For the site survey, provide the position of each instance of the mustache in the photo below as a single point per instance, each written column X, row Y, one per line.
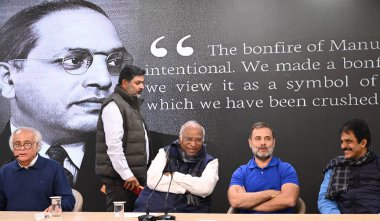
column 346, row 148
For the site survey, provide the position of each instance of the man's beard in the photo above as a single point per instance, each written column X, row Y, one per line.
column 263, row 156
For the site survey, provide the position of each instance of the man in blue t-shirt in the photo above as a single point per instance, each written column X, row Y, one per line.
column 265, row 184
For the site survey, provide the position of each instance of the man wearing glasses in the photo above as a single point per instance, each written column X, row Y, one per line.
column 186, row 171
column 27, row 183
column 59, row 61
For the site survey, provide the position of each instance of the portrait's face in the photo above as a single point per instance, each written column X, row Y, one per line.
column 350, row 146
column 134, row 87
column 191, row 140
column 262, row 143
column 64, row 106
column 25, row 146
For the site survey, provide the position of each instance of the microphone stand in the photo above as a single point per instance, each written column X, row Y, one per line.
column 166, row 216
column 148, row 217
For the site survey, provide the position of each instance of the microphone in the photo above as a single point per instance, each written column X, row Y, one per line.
column 148, row 217
column 166, row 216
column 10, row 160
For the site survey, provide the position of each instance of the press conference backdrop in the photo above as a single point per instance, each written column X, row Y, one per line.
column 305, row 67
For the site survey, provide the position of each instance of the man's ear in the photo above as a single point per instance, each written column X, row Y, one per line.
column 364, row 142
column 124, row 83
column 6, row 82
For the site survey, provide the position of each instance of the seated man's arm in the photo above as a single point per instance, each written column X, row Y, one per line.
column 237, row 195
column 326, row 205
column 289, row 191
column 200, row 186
column 155, row 172
column 239, row 198
column 62, row 188
column 268, row 200
column 3, row 201
column 287, row 198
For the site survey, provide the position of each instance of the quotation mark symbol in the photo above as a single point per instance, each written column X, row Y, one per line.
column 158, row 52
column 161, row 52
column 184, row 51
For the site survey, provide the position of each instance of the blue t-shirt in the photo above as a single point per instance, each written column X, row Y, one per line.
column 273, row 176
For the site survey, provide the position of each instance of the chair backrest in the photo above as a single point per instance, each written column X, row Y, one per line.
column 78, row 201
column 299, row 208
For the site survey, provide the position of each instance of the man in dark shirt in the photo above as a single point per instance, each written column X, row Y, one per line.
column 352, row 182
column 27, row 183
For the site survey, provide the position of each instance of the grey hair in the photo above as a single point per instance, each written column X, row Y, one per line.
column 192, row 123
column 37, row 136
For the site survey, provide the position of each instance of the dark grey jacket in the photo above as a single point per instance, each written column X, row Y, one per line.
column 133, row 138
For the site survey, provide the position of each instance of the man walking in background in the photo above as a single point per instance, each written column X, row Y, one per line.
column 122, row 145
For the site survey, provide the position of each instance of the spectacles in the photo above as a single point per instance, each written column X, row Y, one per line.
column 78, row 61
column 26, row 146
column 190, row 139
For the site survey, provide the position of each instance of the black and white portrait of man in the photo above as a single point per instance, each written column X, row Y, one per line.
column 58, row 61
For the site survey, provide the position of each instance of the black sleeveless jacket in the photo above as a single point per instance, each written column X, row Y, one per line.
column 133, row 138
column 363, row 192
column 177, row 202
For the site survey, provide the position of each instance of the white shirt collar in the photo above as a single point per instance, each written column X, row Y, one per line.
column 31, row 163
column 75, row 152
